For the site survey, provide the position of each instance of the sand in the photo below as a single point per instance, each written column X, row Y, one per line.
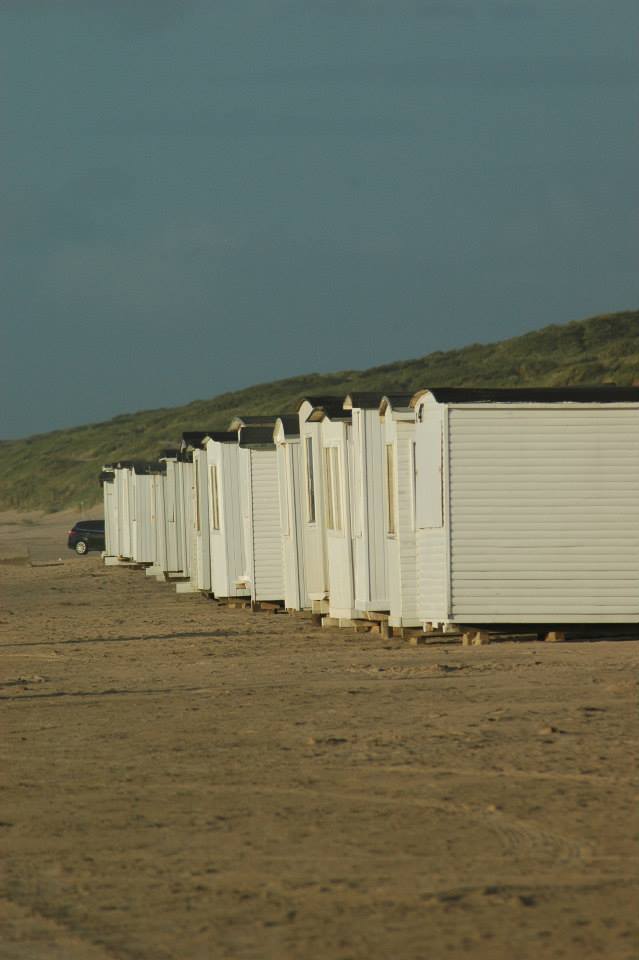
column 184, row 781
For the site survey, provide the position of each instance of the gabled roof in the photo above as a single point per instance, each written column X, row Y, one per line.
column 260, row 420
column 139, row 466
column 256, row 437
column 290, row 424
column 396, row 401
column 194, row 438
column 222, row 436
column 595, row 394
column 332, row 405
column 363, row 401
column 169, row 454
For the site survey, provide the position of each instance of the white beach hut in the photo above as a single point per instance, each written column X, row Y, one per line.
column 225, row 515
column 159, row 565
column 527, row 505
column 141, row 514
column 174, row 534
column 367, row 502
column 107, row 482
column 398, row 420
column 353, row 489
column 259, row 493
column 315, row 540
column 199, row 552
column 292, row 490
column 123, row 508
column 336, row 482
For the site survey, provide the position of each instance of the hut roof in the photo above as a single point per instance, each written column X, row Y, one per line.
column 593, row 394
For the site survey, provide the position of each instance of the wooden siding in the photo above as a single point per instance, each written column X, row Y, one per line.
column 544, row 514
column 159, row 551
column 405, row 557
column 267, row 580
column 143, row 539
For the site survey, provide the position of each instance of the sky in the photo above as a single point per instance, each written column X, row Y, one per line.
column 198, row 195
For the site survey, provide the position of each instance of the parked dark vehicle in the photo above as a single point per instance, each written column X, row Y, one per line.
column 86, row 535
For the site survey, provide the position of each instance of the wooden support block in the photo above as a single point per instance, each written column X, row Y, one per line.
column 417, row 640
column 363, row 627
column 475, row 638
column 384, row 629
column 346, row 623
column 406, row 632
column 330, row 622
column 555, row 636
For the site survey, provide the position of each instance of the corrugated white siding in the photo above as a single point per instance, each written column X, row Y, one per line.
column 143, row 539
column 405, row 555
column 544, row 514
column 432, row 572
column 159, row 552
column 268, row 580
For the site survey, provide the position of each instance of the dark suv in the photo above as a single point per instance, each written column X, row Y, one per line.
column 86, row 535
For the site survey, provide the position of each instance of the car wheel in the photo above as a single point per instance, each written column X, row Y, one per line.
column 81, row 547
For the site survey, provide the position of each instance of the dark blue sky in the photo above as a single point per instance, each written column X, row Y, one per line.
column 197, row 196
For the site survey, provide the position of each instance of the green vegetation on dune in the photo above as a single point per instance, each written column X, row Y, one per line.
column 57, row 470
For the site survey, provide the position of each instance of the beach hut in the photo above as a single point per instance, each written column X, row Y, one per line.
column 199, row 551
column 174, row 534
column 315, row 541
column 184, row 474
column 259, row 498
column 527, row 505
column 398, row 421
column 107, row 482
column 122, row 508
column 369, row 518
column 159, row 566
column 225, row 515
column 336, row 482
column 286, row 436
column 141, row 514
column 352, row 473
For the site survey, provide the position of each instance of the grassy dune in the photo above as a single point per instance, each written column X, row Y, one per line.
column 57, row 470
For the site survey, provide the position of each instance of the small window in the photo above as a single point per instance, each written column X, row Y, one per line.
column 196, row 474
column 391, row 505
column 215, row 499
column 333, row 489
column 413, row 478
column 329, row 490
column 310, row 481
column 283, row 481
column 337, row 489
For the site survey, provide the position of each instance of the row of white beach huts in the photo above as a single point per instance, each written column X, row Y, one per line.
column 449, row 506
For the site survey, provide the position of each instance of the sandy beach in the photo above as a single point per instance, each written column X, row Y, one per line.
column 183, row 781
